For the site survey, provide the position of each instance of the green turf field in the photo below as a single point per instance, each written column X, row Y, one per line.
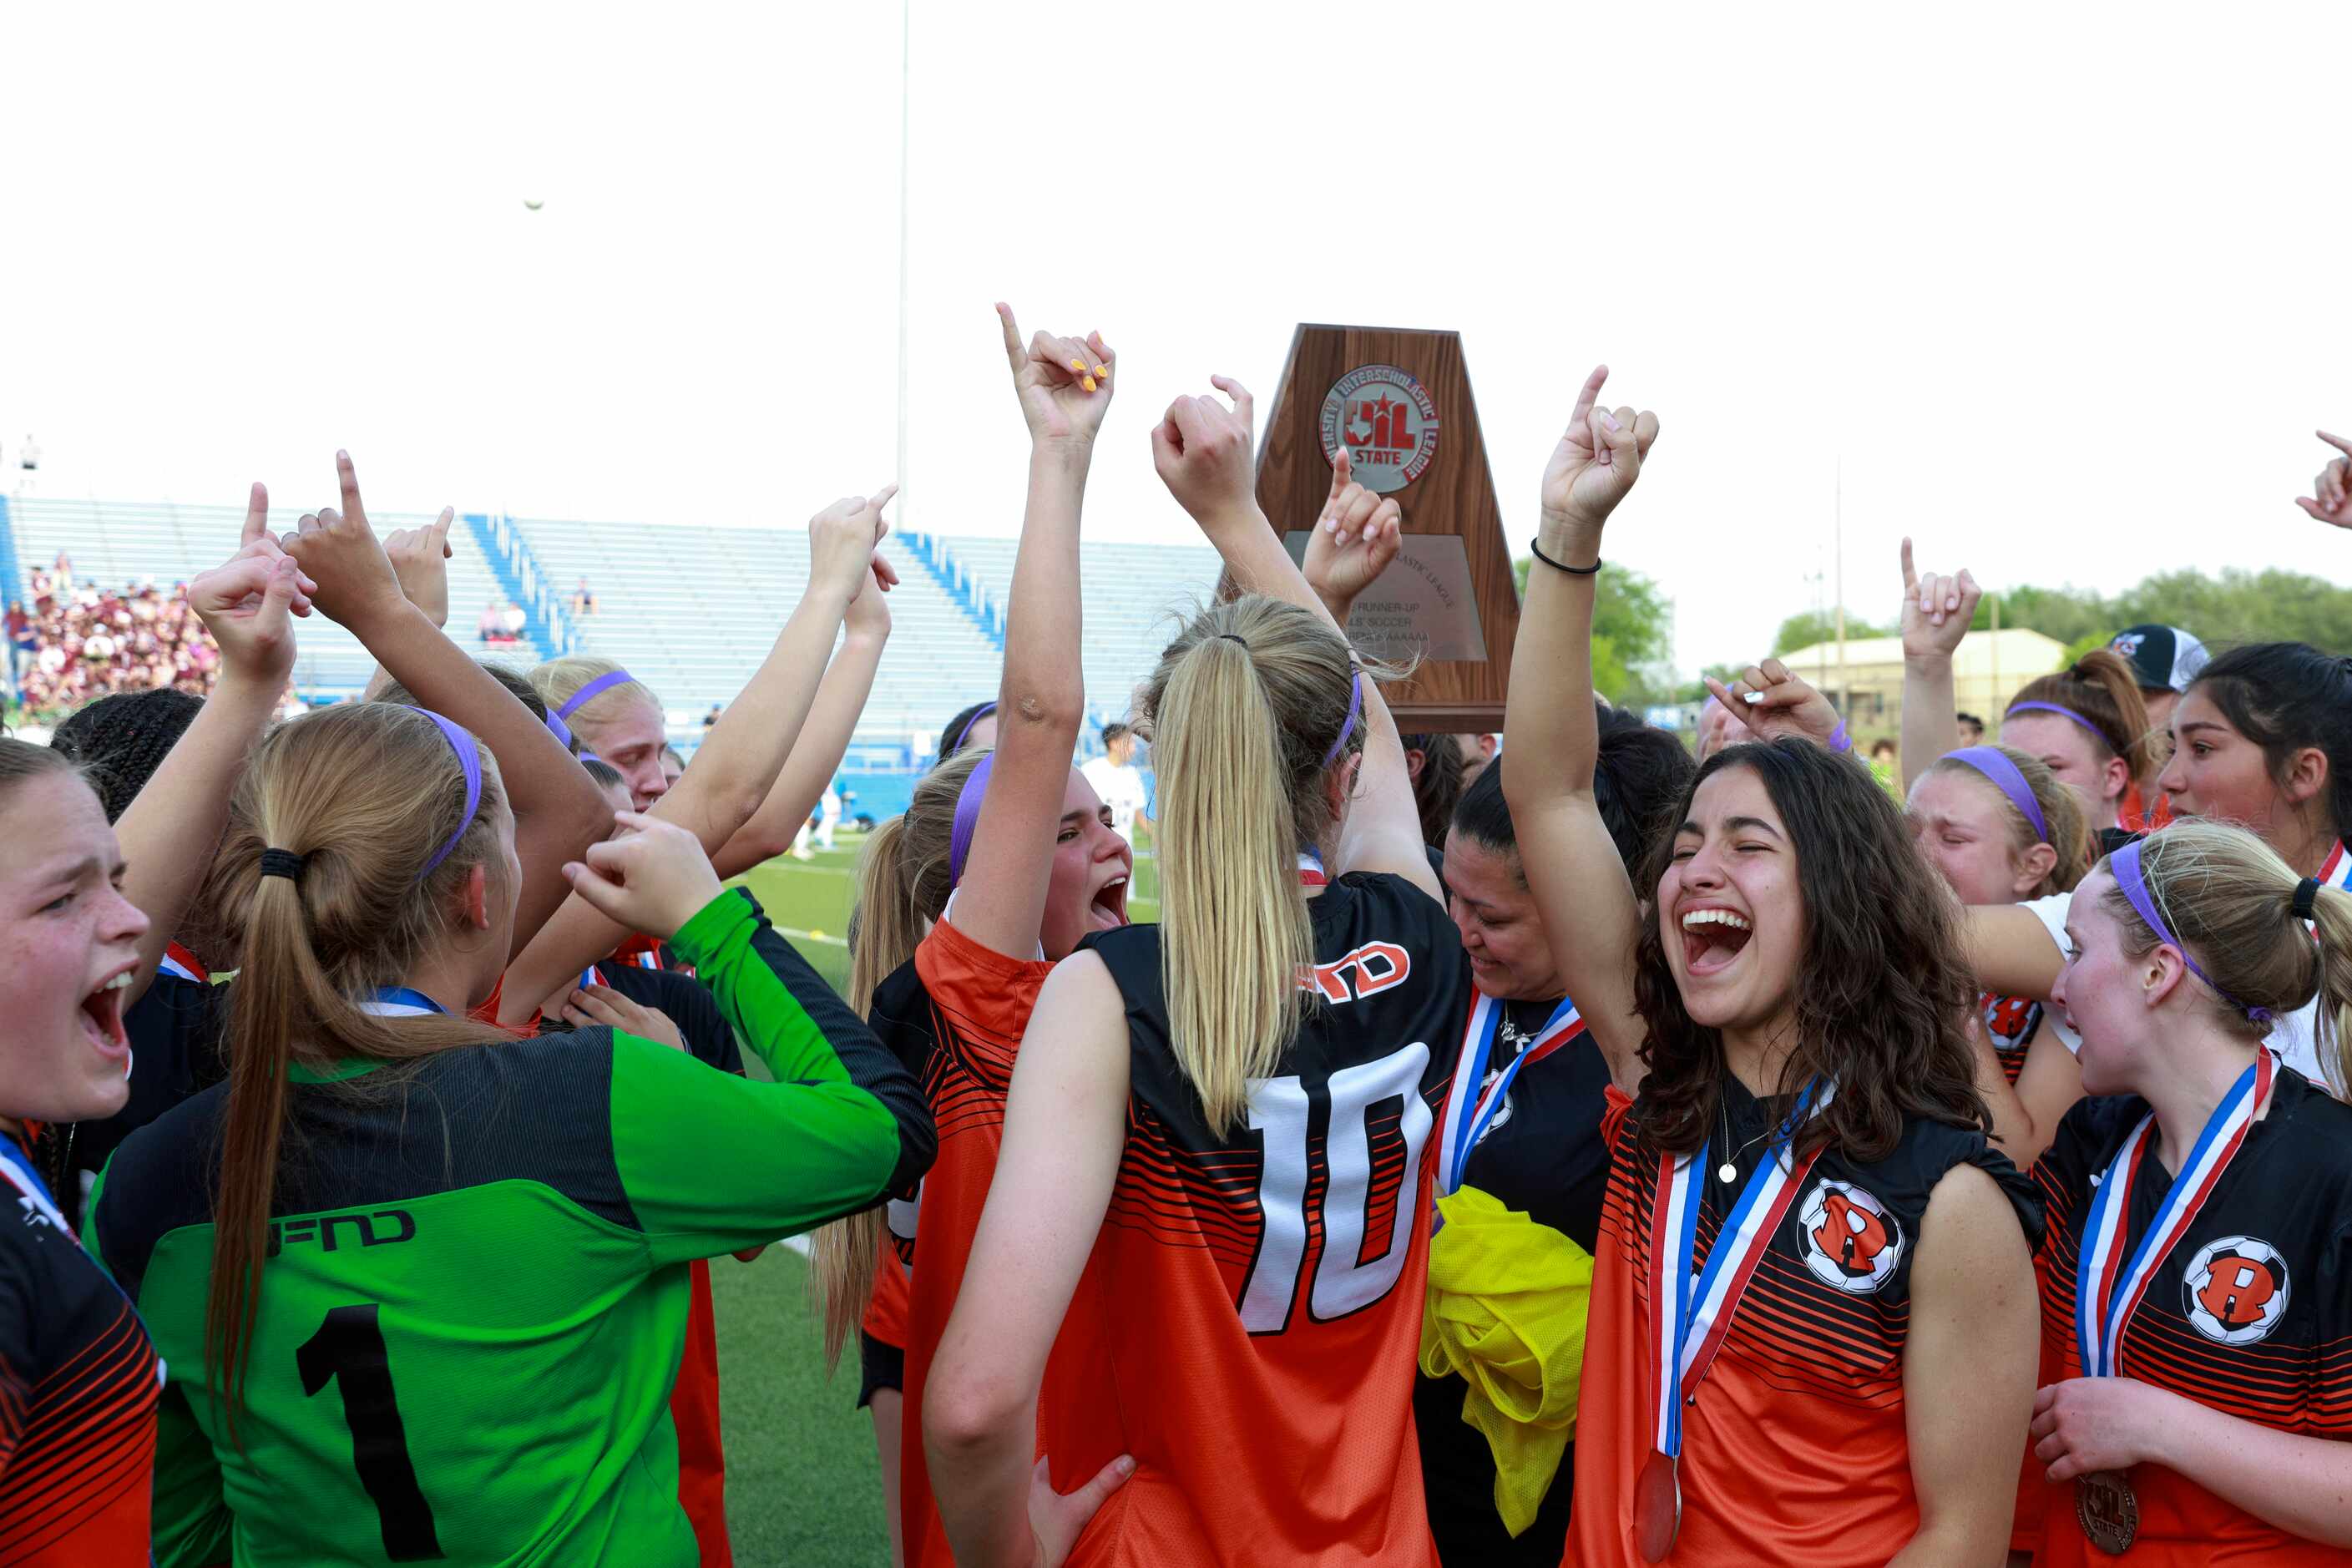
column 802, row 1488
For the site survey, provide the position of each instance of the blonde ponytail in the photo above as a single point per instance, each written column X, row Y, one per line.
column 360, row 798
column 1243, row 712
column 902, row 888
column 2231, row 901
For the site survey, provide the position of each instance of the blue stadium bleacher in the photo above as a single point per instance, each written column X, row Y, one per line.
column 691, row 609
column 116, row 544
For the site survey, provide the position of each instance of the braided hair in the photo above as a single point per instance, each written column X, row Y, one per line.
column 120, row 741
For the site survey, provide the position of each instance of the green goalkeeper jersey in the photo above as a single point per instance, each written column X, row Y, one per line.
column 476, row 1290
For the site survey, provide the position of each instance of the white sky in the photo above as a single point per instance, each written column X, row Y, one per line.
column 2064, row 292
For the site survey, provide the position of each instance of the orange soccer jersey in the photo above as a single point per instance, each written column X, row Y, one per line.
column 1794, row 1451
column 2250, row 1314
column 1259, row 1293
column 955, row 1016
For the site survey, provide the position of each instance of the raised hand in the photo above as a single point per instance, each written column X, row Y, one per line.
column 1599, row 458
column 356, row 581
column 653, row 879
column 1937, row 610
column 1204, row 453
column 257, row 538
column 843, row 542
column 1353, row 540
column 2332, row 500
column 1772, row 702
column 247, row 604
column 419, row 559
column 1064, row 384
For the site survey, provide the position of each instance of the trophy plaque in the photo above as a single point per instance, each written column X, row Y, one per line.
column 1446, row 607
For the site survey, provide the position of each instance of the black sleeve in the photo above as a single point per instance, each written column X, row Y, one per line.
column 870, row 1065
column 881, row 1366
column 687, row 1002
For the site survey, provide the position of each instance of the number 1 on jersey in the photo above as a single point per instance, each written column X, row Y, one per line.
column 349, row 1350
column 1280, row 1108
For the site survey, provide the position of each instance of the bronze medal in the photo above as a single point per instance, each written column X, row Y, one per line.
column 1657, row 1508
column 2108, row 1510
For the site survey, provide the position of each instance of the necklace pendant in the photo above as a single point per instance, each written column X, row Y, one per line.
column 1727, row 1172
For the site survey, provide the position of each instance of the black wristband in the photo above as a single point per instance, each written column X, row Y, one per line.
column 1535, row 545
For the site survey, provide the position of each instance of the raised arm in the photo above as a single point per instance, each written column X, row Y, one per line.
column 1590, row 910
column 1936, row 613
column 1203, row 450
column 824, row 738
column 1064, row 387
column 2331, row 493
column 558, row 811
column 740, row 755
column 169, row 832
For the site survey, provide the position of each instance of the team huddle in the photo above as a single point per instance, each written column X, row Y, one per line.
column 1594, row 1154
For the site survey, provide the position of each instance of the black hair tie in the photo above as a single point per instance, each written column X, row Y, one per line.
column 283, row 863
column 1535, row 545
column 2306, row 898
column 1228, row 636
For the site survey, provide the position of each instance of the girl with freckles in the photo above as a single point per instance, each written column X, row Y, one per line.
column 1813, row 1319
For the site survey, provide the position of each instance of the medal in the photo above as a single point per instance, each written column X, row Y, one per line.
column 1657, row 1508
column 1690, row 1311
column 1470, row 1113
column 2108, row 1511
column 2108, row 1288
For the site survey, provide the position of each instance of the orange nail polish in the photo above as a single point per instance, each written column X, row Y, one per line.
column 1079, row 365
column 1103, row 371
column 1088, row 384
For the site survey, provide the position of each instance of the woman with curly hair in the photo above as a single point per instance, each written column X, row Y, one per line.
column 1811, row 1335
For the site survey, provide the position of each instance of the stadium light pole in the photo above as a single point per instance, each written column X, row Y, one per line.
column 905, row 79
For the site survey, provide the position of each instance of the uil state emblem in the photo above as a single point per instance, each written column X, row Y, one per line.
column 1387, row 421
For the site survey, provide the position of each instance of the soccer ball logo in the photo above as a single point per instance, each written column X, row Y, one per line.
column 2235, row 1290
column 1851, row 1242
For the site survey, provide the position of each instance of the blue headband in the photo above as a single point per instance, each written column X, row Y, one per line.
column 1990, row 761
column 469, row 757
column 589, row 692
column 2125, row 864
column 2017, row 708
column 1355, row 707
column 956, row 743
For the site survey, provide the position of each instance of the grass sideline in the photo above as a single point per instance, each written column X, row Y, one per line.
column 803, row 1484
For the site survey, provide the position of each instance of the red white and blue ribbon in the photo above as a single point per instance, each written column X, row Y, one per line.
column 1691, row 1310
column 2336, row 873
column 2107, row 1288
column 178, row 961
column 1310, row 869
column 1470, row 1113
column 400, row 1002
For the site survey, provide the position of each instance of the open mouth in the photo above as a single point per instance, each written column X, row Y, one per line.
column 1713, row 938
column 1109, row 906
column 101, row 1016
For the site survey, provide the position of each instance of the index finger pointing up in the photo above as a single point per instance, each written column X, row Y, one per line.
column 257, row 515
column 1584, row 399
column 1910, row 575
column 1244, row 404
column 1014, row 351
column 2338, row 442
column 350, row 476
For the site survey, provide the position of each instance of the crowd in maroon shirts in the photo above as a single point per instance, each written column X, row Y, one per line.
column 71, row 642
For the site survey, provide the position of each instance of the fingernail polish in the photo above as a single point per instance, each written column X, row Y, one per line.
column 1103, row 371
column 1087, row 382
column 1079, row 365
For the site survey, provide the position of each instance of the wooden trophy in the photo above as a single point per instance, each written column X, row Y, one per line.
column 1447, row 604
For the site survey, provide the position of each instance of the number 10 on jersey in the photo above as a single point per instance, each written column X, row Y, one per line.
column 1282, row 1109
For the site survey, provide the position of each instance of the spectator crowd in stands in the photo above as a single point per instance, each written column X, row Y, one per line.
column 71, row 643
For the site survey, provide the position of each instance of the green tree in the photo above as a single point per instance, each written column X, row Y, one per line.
column 1633, row 636
column 1810, row 626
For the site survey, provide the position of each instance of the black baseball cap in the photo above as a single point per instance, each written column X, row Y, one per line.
column 2163, row 659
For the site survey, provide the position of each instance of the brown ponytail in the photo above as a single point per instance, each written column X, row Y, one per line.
column 365, row 794
column 902, row 887
column 1242, row 711
column 2102, row 689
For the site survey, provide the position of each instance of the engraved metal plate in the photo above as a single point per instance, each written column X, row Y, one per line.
column 1421, row 606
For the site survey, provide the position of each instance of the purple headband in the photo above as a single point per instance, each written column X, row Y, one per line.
column 2125, row 864
column 2016, row 707
column 1355, row 707
column 469, row 757
column 589, row 692
column 1988, row 761
column 956, row 745
column 559, row 730
column 967, row 818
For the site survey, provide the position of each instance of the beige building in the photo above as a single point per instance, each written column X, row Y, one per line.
column 1987, row 670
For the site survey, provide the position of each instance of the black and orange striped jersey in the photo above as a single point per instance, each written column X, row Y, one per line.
column 2010, row 1023
column 2250, row 1314
column 1259, row 1290
column 79, row 1385
column 1794, row 1450
column 954, row 1016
